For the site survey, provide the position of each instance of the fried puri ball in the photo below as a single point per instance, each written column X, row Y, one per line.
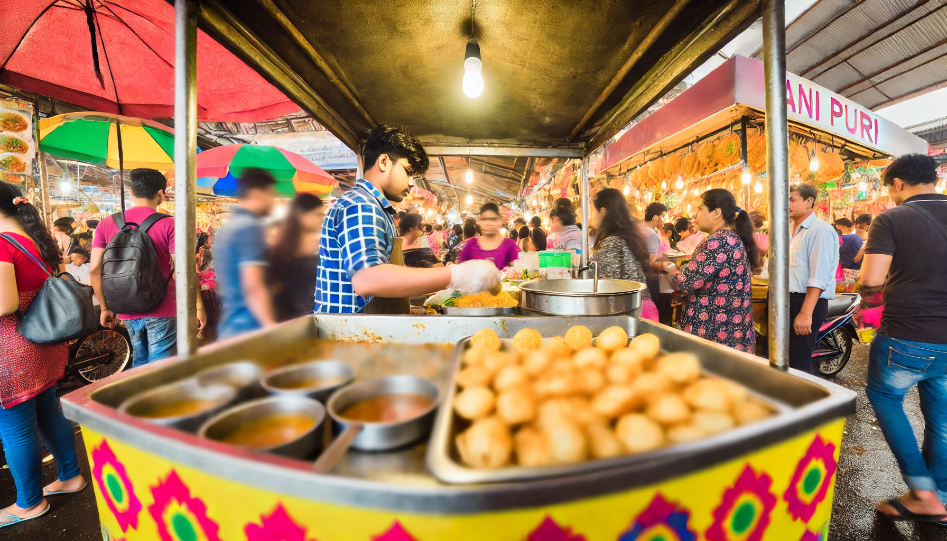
column 581, row 411
column 474, row 402
column 567, row 442
column 628, row 357
column 508, row 377
column 532, row 447
column 590, row 357
column 554, row 384
column 602, row 441
column 614, row 400
column 557, row 347
column 486, row 444
column 713, row 421
column 619, row 374
column 578, row 337
column 487, row 339
column 536, row 362
column 681, row 368
column 651, row 383
column 648, row 345
column 474, row 355
column 527, row 339
column 668, row 409
column 708, row 394
column 495, row 360
column 612, row 339
column 685, row 433
column 749, row 412
column 738, row 393
column 473, row 376
column 638, row 433
column 516, row 406
column 553, row 411
column 588, row 381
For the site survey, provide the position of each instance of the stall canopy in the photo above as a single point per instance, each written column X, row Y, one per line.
column 46, row 47
column 566, row 74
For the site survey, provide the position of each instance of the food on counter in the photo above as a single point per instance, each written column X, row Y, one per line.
column 12, row 164
column 311, row 383
column 527, row 339
column 388, row 408
column 486, row 338
column 13, row 122
column 12, row 143
column 513, row 274
column 558, row 404
column 486, row 300
column 180, row 408
column 271, row 431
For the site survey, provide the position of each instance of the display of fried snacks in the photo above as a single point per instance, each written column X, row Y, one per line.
column 12, row 143
column 13, row 122
column 540, row 402
column 486, row 300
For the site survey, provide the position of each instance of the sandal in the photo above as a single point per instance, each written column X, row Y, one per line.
column 57, row 492
column 17, row 520
column 906, row 514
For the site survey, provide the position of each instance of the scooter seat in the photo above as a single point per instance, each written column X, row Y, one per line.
column 839, row 305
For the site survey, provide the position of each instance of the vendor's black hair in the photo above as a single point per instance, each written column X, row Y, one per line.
column 428, row 228
column 536, row 221
column 409, row 222
column 397, row 143
column 564, row 211
column 844, row 222
column 470, row 228
column 805, row 191
column 913, row 169
column 654, row 209
column 457, row 229
column 519, row 220
column 719, row 198
column 65, row 224
column 682, row 225
column 31, row 222
column 490, row 207
column 863, row 219
column 146, row 183
column 253, row 178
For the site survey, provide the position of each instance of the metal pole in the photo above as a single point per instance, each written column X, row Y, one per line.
column 777, row 173
column 360, row 167
column 185, row 178
column 121, row 165
column 584, row 191
column 743, row 154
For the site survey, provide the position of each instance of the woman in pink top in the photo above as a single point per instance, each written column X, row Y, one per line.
column 490, row 245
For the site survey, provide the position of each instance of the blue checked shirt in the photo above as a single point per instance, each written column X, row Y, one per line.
column 358, row 233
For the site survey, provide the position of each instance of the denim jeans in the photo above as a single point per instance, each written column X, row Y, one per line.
column 21, row 427
column 233, row 324
column 894, row 367
column 153, row 338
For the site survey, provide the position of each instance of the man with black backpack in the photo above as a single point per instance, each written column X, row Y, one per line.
column 132, row 271
column 907, row 256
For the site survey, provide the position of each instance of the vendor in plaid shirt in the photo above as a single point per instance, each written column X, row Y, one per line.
column 359, row 231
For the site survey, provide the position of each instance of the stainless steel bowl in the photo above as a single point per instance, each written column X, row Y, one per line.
column 577, row 297
column 303, row 446
column 244, row 376
column 285, row 381
column 390, row 435
column 218, row 397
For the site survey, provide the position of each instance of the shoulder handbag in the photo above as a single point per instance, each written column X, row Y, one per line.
column 930, row 217
column 61, row 311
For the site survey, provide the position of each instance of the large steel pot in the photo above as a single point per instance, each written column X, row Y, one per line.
column 580, row 297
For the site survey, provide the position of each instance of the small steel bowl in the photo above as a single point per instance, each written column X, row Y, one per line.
column 390, row 435
column 303, row 446
column 244, row 376
column 217, row 397
column 291, row 380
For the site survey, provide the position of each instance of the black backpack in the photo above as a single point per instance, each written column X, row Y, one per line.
column 131, row 280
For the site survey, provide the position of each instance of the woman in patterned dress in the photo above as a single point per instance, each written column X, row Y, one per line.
column 716, row 281
column 28, row 372
column 619, row 251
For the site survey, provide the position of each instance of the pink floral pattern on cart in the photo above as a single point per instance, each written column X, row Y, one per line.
column 811, row 480
column 549, row 530
column 180, row 516
column 395, row 533
column 115, row 486
column 744, row 513
column 661, row 520
column 277, row 526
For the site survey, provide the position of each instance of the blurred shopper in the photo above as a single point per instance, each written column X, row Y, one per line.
column 850, row 245
column 813, row 260
column 762, row 239
column 154, row 332
column 619, row 251
column 415, row 253
column 862, row 224
column 240, row 255
column 691, row 236
column 490, row 245
column 28, row 406
column 562, row 221
column 670, row 236
column 537, row 234
column 293, row 260
column 907, row 255
column 79, row 235
column 78, row 266
column 454, row 242
column 716, row 281
column 524, row 241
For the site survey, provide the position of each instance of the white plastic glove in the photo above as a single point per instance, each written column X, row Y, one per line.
column 474, row 276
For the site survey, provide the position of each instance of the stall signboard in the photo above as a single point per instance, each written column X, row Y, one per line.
column 320, row 147
column 17, row 148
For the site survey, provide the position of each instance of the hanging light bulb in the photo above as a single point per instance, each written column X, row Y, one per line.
column 863, row 186
column 527, row 216
column 637, row 194
column 470, row 200
column 664, row 185
column 469, row 176
column 65, row 186
column 627, row 190
column 814, row 164
column 758, row 188
column 939, row 187
column 688, row 208
column 439, row 219
column 473, row 81
column 503, row 231
column 746, row 177
column 680, row 182
column 696, row 192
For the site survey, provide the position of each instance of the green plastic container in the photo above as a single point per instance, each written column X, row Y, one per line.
column 555, row 259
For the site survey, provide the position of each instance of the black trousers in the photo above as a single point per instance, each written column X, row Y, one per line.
column 802, row 347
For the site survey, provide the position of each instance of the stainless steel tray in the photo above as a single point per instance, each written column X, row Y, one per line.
column 480, row 312
column 574, row 297
column 444, row 462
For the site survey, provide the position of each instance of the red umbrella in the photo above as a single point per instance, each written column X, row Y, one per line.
column 46, row 48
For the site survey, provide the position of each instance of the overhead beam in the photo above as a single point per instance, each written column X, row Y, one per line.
column 535, row 152
column 900, row 61
column 821, row 26
column 529, row 166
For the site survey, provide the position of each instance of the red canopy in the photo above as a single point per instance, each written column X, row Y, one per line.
column 46, row 48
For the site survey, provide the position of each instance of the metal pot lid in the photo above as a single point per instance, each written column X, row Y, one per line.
column 582, row 288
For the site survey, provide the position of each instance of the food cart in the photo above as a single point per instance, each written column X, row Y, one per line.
column 770, row 480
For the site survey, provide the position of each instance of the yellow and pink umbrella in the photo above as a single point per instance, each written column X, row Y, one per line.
column 219, row 168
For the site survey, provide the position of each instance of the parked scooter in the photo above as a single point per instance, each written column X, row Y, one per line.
column 834, row 347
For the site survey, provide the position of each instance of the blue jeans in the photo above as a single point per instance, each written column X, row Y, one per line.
column 21, row 427
column 237, row 323
column 153, row 338
column 894, row 367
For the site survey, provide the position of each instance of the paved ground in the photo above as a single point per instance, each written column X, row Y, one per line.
column 867, row 473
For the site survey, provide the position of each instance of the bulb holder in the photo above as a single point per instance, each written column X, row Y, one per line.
column 472, row 51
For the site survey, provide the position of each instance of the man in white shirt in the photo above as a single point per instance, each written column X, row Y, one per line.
column 78, row 267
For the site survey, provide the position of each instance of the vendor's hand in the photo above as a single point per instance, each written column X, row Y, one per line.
column 474, row 276
column 803, row 324
column 107, row 319
column 201, row 319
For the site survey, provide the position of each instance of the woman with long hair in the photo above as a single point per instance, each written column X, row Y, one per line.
column 490, row 245
column 28, row 406
column 619, row 251
column 562, row 220
column 294, row 258
column 525, row 242
column 716, row 282
column 415, row 253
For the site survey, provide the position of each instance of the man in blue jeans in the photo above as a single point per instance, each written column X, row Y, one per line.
column 906, row 254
